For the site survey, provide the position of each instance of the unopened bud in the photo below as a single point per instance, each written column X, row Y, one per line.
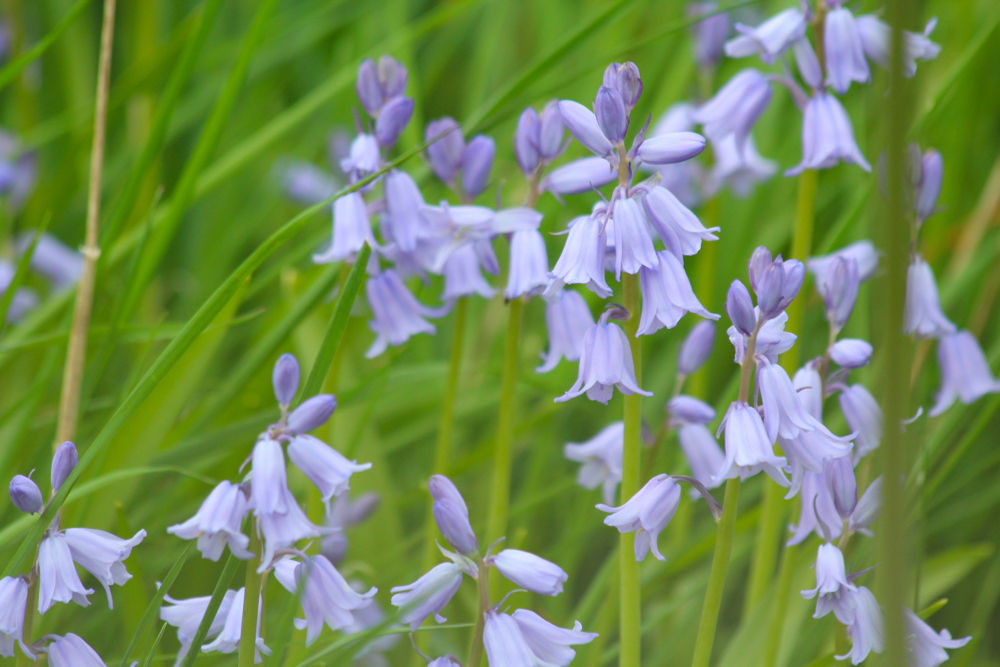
column 760, row 260
column 769, row 286
column 285, row 378
column 368, row 88
column 63, row 462
column 312, row 414
column 851, row 352
column 25, row 494
column 445, row 147
column 392, row 120
column 476, row 164
column 929, row 186
column 452, row 515
column 696, row 348
column 739, row 307
column 551, row 131
column 391, row 77
column 611, row 115
column 526, row 140
column 838, row 474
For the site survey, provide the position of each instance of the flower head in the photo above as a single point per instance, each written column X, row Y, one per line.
column 601, row 457
column 102, row 554
column 646, row 514
column 428, row 594
column 218, row 522
column 965, row 374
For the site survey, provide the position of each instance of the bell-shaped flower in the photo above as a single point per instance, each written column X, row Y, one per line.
column 633, row 244
column 770, row 38
column 71, row 650
column 477, row 160
column 965, row 373
column 739, row 170
column 863, row 253
column 611, row 115
column 529, row 264
column 526, row 139
column 228, row 639
column 63, row 463
column 749, row 450
column 186, row 615
column 866, row 629
column 312, row 413
column 864, row 416
column 217, row 523
column 398, row 315
column 710, row 34
column 876, row 41
column 567, row 320
column 285, row 379
column 646, row 514
column 326, row 596
column 605, row 363
column 833, row 592
column 102, row 554
column 428, row 594
column 58, row 580
column 452, row 515
column 624, row 77
column 583, row 125
column 740, row 309
column 392, row 120
column 867, row 508
column 549, row 643
column 666, row 295
column 444, row 661
column 325, row 467
column 582, row 259
column 403, row 222
column 689, row 410
column 703, row 454
column 927, row 185
column 363, row 158
column 827, row 136
column 784, row 414
column 601, row 457
column 736, row 107
column 696, row 348
column 839, row 288
column 503, row 641
column 851, row 352
column 922, row 314
column 818, row 513
column 670, row 148
column 583, row 175
column 529, row 571
column 925, row 646
column 683, row 179
column 351, row 230
column 13, row 604
column 845, row 58
column 444, row 153
column 675, row 224
column 463, row 276
column 772, row 339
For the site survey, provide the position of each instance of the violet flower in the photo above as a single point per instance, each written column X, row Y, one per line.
column 965, row 373
column 218, row 523
column 567, row 320
column 827, row 136
column 646, row 514
column 601, row 457
column 398, row 315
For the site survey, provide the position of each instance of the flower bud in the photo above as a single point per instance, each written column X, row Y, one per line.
column 670, row 148
column 445, row 153
column 838, row 475
column 795, row 273
column 312, row 413
column 929, row 185
column 526, row 140
column 368, row 88
column 769, row 287
column 710, row 34
column 451, row 515
column 690, row 410
column 25, row 494
column 629, row 84
column 851, row 352
column 550, row 131
column 392, row 120
column 739, row 307
column 839, row 288
column 611, row 115
column 476, row 164
column 391, row 77
column 760, row 260
column 529, row 571
column 696, row 348
column 285, row 378
column 63, row 463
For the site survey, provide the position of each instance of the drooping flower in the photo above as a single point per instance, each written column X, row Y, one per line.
column 13, row 604
column 582, row 259
column 25, row 494
column 833, row 592
column 228, row 639
column 927, row 647
column 428, row 594
column 679, row 229
column 770, row 38
column 749, row 450
column 351, row 230
column 864, row 416
column 186, row 616
column 646, row 514
column 529, row 264
column 325, row 467
column 965, row 373
column 601, row 457
column 866, row 629
column 827, row 136
column 922, row 314
column 217, row 523
column 71, row 650
column 529, row 571
column 876, row 39
column 818, row 513
column 567, row 320
column 666, row 295
column 58, row 580
column 452, row 515
column 736, row 107
column 398, row 315
column 696, row 348
column 102, row 554
column 845, row 58
column 525, row 638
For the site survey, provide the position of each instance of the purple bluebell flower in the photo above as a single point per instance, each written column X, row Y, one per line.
column 526, row 140
column 863, row 253
column 60, row 265
column 965, row 373
column 610, row 113
column 922, row 314
column 398, row 315
column 749, row 449
column 186, row 616
column 736, row 107
column 583, row 125
column 624, row 78
column 71, row 650
column 867, row 508
column 582, row 259
column 444, row 661
column 927, row 647
column 703, row 454
column 710, row 33
column 784, row 414
column 25, row 494
column 344, row 513
column 325, row 467
column 462, row 275
column 601, row 457
column 102, row 554
column 578, row 176
column 363, row 158
column 646, row 514
column 928, row 184
column 770, row 38
column 808, row 64
column 845, row 58
column 403, row 222
column 683, row 179
column 876, row 38
column 58, row 580
column 503, row 641
column 445, row 153
column 696, row 348
column 326, row 596
column 550, row 644
column 312, row 413
column 866, row 628
column 567, row 320
column 838, row 285
column 689, row 410
column 827, row 136
column 351, row 230
column 818, row 513
column 679, row 229
column 851, row 352
column 667, row 295
column 838, row 473
column 605, row 363
column 529, row 264
column 529, row 571
column 285, row 379
column 776, row 283
column 833, row 590
column 228, row 639
column 392, row 77
column 428, row 594
column 451, row 515
column 739, row 170
column 217, row 523
column 670, row 148
column 551, row 132
column 772, row 339
column 740, row 309
column 13, row 604
column 477, row 160
column 367, row 86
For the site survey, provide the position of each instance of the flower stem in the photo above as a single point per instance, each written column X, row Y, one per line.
column 251, row 596
column 630, row 638
column 476, row 645
column 76, row 350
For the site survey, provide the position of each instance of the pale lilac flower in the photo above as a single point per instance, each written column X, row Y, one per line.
column 58, row 580
column 827, row 136
column 325, row 467
column 749, row 450
column 444, row 661
column 864, row 417
column 679, row 229
column 845, row 59
column 838, row 474
column 601, row 457
column 839, row 288
column 13, row 604
column 922, row 311
column 851, row 352
column 392, row 120
column 784, row 414
column 740, row 309
column 567, row 320
column 312, row 413
column 624, row 77
column 462, row 275
column 866, row 629
column 927, row 647
column 965, row 373
column 504, row 643
column 583, row 125
column 605, row 363
column 770, row 38
column 529, row 571
column 25, row 494
column 583, row 175
column 60, row 265
column 927, row 186
column 428, row 594
column 305, row 183
column 876, row 38
column 71, row 650
column 549, row 643
column 526, row 139
column 609, row 110
column 863, row 253
column 818, row 513
column 582, row 259
column 709, row 34
column 403, row 221
column 368, row 87
column 682, row 179
column 186, row 616
column 666, row 295
column 102, row 554
column 344, row 513
column 445, row 153
column 703, row 454
column 669, row 148
column 696, row 348
column 398, row 315
column 285, row 379
column 217, row 523
column 529, row 264
column 452, row 515
column 808, row 64
column 477, row 160
column 362, row 159
column 736, row 107
column 351, row 230
column 772, row 339
column 689, row 410
column 740, row 170
column 228, row 639
column 833, row 590
column 646, row 514
column 633, row 244
column 867, row 508
column 326, row 596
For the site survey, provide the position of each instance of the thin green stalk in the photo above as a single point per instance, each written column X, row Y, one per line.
column 629, row 618
column 500, row 504
column 772, row 641
column 251, row 595
column 475, row 656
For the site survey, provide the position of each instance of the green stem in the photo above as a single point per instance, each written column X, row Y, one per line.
column 630, row 638
column 476, row 645
column 499, row 507
column 251, row 596
column 772, row 642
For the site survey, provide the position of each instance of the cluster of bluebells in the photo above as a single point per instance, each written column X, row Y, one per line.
column 279, row 524
column 54, row 575
column 521, row 637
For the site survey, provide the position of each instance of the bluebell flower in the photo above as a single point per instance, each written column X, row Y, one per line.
column 927, row 647
column 362, row 159
column 444, row 661
column 58, row 580
column 305, row 183
column 398, row 315
column 529, row 571
column 827, row 136
column 667, row 295
column 818, row 513
column 845, row 58
column 867, row 508
column 567, row 320
column 633, row 244
column 312, row 413
column 186, row 616
column 927, row 185
column 749, row 450
column 876, row 39
column 228, row 639
column 605, row 363
column 668, row 148
column 25, row 494
column 702, row 451
column 60, row 265
column 838, row 285
column 582, row 124
column 710, row 33
column 583, row 175
column 965, row 373
column 610, row 113
column 696, row 348
column 922, row 315
column 526, row 141
column 646, row 514
column 477, row 160
column 71, row 650
column 102, row 554
column 784, row 415
column 582, row 259
column 13, row 604
column 428, row 594
column 451, row 515
column 325, row 467
column 689, row 410
column 463, row 276
column 838, row 474
column 403, row 222
column 679, row 229
column 445, row 152
column 529, row 264
column 525, row 638
column 771, row 38
column 351, row 230
column 866, row 629
column 285, row 379
column 741, row 312
column 504, row 643
column 833, row 590
column 851, row 352
column 624, row 78
column 601, row 457
column 392, row 120
column 736, row 107
column 863, row 253
column 344, row 513
column 218, row 523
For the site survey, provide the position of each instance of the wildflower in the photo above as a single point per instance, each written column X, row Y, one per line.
column 679, row 229
column 666, row 295
column 839, row 288
column 60, row 265
column 582, row 258
column 866, row 629
column 578, row 176
column 217, row 523
column 403, row 222
column 927, row 647
column 58, row 580
column 772, row 339
column 228, row 639
column 605, row 363
column 102, row 554
column 633, row 245
column 770, row 38
column 362, row 159
column 682, row 179
column 503, row 641
column 525, row 638
column 818, row 514
column 703, row 454
column 601, row 457
column 529, row 264
column 567, row 320
column 864, row 417
column 428, row 594
column 25, row 494
column 689, row 410
column 477, row 160
column 583, row 125
column 784, row 415
column 928, row 184
column 669, row 148
column 444, row 153
column 965, row 374
column 13, row 603
column 863, row 253
column 876, row 38
column 710, row 33
column 344, row 513
column 526, row 140
column 838, row 474
column 610, row 113
column 285, row 379
column 748, row 447
column 186, row 616
column 351, row 230
column 740, row 170
column 71, row 650
column 867, row 508
column 398, row 315
column 452, row 515
column 305, row 183
column 696, row 348
column 529, row 571
column 736, row 107
column 646, row 513
column 444, row 661
column 739, row 308
column 922, row 314
column 312, row 413
column 845, row 59
column 831, row 585
column 851, row 352
column 827, row 136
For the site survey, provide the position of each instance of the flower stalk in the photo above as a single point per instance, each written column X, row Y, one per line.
column 251, row 597
column 630, row 612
